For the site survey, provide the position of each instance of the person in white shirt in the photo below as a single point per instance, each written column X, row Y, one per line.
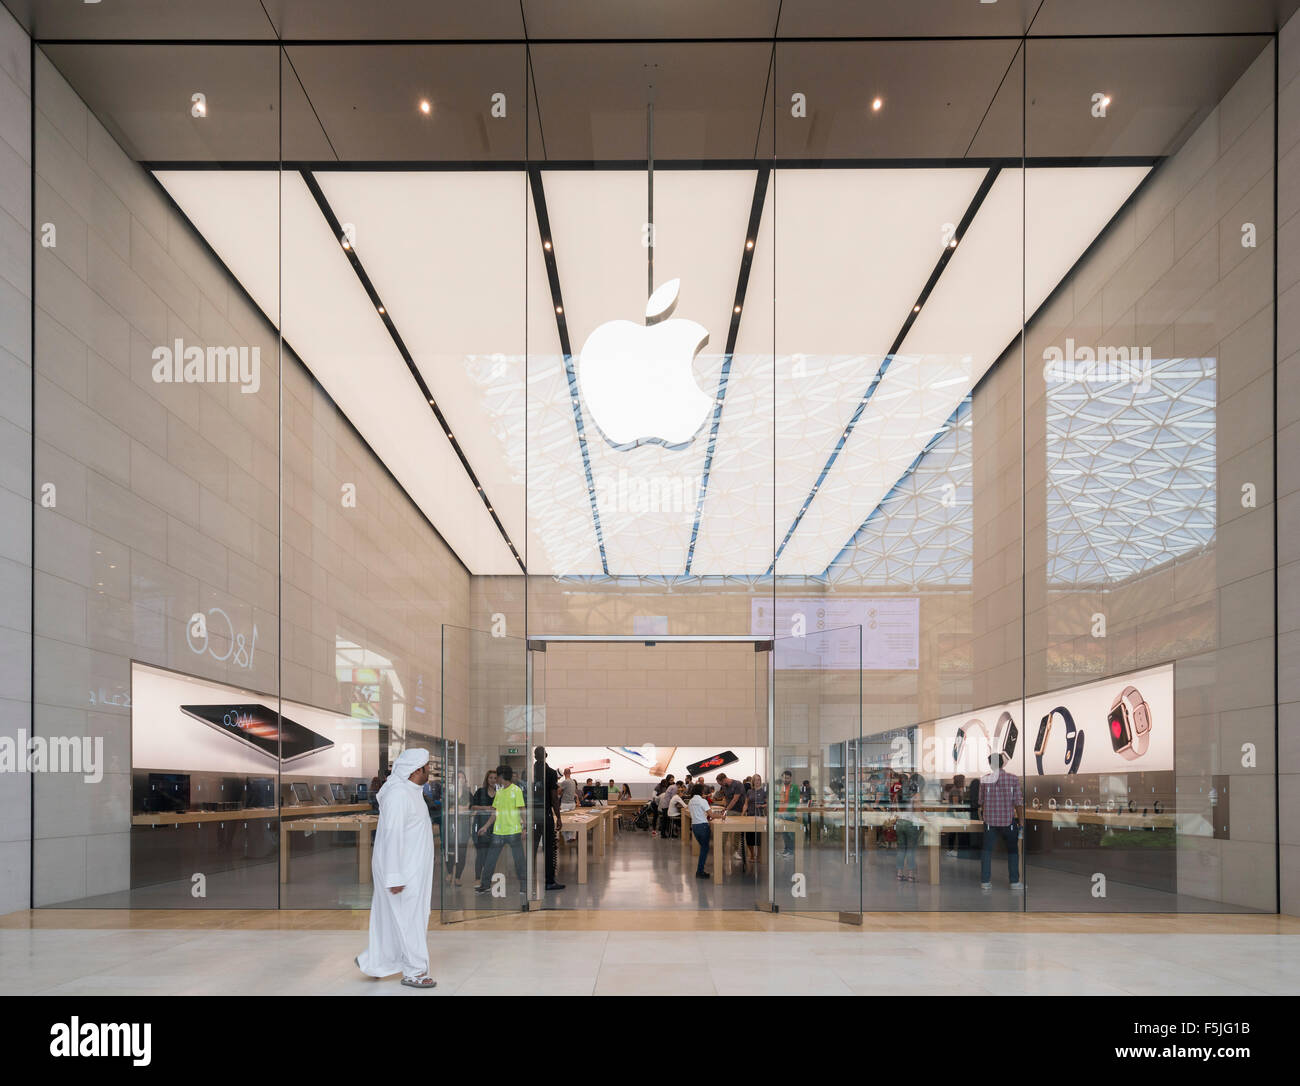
column 568, row 799
column 665, row 798
column 675, row 806
column 700, row 818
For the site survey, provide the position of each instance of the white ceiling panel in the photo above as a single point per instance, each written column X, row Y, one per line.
column 972, row 315
column 562, row 539
column 856, row 248
column 443, row 250
column 647, row 494
column 330, row 323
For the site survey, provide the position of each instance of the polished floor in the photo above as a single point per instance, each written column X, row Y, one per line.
column 104, row 952
column 640, row 872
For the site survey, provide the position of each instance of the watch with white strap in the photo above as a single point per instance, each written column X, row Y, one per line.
column 1130, row 724
column 959, row 744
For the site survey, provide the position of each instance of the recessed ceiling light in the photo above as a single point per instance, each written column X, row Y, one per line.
column 737, row 309
column 876, row 103
column 749, row 244
column 347, row 244
column 952, row 244
column 559, row 309
column 426, row 106
column 547, row 246
column 916, row 309
column 1106, row 100
column 381, row 309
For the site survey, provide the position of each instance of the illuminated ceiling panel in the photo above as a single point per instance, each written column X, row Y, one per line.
column 442, row 250
column 647, row 495
column 972, row 315
column 855, row 249
column 330, row 323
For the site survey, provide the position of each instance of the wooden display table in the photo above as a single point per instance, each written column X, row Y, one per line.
column 590, row 824
column 244, row 814
column 363, row 825
column 733, row 824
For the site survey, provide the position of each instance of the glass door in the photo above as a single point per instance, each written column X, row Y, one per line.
column 815, row 804
column 486, row 820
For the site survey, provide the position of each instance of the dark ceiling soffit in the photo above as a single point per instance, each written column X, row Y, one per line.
column 733, row 330
column 562, row 327
column 270, row 42
column 976, row 203
column 372, row 166
column 387, row 317
column 287, row 348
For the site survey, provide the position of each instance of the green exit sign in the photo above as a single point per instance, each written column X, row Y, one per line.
column 512, row 750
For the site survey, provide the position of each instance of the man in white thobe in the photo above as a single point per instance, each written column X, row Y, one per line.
column 402, row 870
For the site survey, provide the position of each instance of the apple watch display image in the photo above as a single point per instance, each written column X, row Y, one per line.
column 959, row 743
column 1129, row 722
column 1073, row 739
column 1005, row 737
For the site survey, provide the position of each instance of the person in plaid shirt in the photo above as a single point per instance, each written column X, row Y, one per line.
column 1001, row 809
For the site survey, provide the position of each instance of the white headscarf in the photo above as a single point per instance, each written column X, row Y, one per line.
column 407, row 763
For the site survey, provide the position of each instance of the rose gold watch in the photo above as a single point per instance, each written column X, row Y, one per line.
column 1129, row 722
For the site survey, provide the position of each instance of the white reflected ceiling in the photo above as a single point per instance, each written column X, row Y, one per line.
column 457, row 259
column 328, row 320
column 969, row 319
column 854, row 251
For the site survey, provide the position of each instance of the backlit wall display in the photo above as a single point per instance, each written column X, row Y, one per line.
column 1119, row 725
column 192, row 725
column 891, row 631
column 650, row 763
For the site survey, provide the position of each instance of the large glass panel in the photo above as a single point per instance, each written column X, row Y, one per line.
column 819, row 823
column 898, row 317
column 403, row 204
column 1148, row 743
column 157, row 382
column 486, row 714
column 650, row 429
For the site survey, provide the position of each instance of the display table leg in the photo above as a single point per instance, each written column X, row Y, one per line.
column 363, row 857
column 284, row 853
column 582, row 855
column 719, row 850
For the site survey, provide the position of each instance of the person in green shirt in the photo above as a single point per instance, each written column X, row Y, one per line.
column 505, row 825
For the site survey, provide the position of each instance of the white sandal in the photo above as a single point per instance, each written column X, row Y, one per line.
column 422, row 981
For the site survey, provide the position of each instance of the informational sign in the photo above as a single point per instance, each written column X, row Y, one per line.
column 652, row 625
column 828, row 629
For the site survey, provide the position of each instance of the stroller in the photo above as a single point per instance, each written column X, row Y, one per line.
column 643, row 816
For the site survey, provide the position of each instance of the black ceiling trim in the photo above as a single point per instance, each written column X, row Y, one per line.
column 747, row 251
column 976, row 202
column 336, row 228
column 547, row 242
column 632, row 164
column 809, row 40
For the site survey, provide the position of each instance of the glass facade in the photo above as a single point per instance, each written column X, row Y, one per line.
column 862, row 409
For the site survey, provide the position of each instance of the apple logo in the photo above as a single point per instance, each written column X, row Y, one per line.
column 637, row 381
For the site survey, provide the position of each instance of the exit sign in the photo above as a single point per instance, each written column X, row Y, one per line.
column 512, row 750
